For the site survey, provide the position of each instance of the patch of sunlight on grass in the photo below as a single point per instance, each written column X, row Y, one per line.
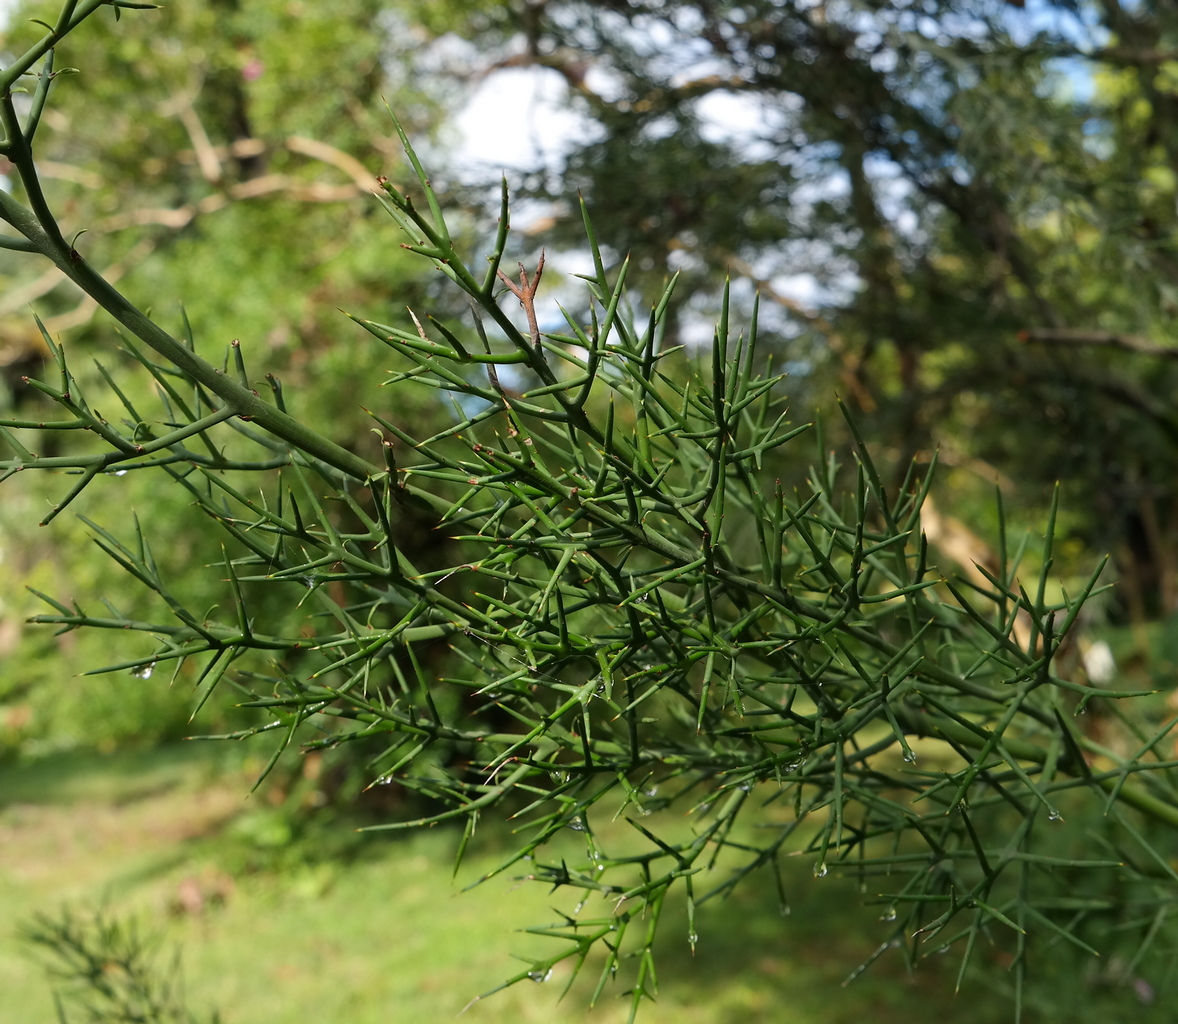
column 389, row 936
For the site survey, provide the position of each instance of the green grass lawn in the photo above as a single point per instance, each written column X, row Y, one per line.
column 385, row 934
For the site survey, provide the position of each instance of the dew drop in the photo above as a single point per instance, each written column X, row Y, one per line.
column 910, row 756
column 577, row 825
column 785, row 910
column 539, row 977
column 745, row 787
column 820, row 870
column 653, row 791
column 693, row 939
column 120, row 472
column 889, row 914
column 1054, row 815
column 144, row 671
column 385, row 780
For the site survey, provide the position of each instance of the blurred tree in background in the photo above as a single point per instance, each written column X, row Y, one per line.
column 220, row 154
column 964, row 208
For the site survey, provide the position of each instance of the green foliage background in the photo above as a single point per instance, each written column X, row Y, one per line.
column 272, row 270
column 992, row 246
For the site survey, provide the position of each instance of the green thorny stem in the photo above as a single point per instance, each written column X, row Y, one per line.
column 40, row 233
column 800, row 672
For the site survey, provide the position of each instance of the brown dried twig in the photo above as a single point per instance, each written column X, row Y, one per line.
column 525, row 291
column 1124, row 342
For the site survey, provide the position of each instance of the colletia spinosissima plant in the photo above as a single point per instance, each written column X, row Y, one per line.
column 641, row 625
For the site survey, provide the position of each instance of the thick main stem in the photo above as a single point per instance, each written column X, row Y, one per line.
column 242, row 401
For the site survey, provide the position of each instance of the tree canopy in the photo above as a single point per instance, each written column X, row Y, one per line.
column 978, row 197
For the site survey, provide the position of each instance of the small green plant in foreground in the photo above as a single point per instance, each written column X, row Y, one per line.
column 109, row 970
column 639, row 622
